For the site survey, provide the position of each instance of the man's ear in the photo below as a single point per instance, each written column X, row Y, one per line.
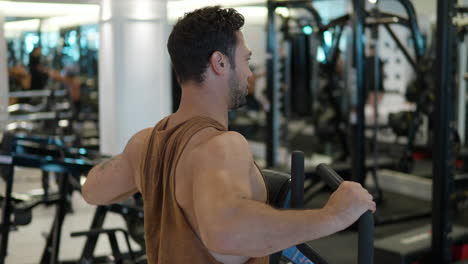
column 218, row 63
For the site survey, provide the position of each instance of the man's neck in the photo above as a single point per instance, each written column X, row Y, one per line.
column 200, row 101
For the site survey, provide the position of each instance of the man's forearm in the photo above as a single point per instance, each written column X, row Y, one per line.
column 259, row 230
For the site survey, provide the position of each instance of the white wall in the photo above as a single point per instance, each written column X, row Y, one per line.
column 426, row 8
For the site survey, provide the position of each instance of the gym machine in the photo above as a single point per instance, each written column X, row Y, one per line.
column 50, row 154
column 369, row 20
column 288, row 192
column 442, row 234
column 132, row 211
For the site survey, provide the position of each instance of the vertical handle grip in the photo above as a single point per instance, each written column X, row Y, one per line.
column 366, row 221
column 297, row 179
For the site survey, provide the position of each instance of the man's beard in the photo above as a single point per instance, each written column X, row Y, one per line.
column 237, row 93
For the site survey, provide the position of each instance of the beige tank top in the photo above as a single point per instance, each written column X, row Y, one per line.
column 168, row 234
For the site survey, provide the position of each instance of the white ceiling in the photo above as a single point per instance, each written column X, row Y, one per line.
column 90, row 8
column 45, row 10
column 231, row 2
column 61, row 1
column 59, row 13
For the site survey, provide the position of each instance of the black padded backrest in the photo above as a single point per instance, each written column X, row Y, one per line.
column 279, row 185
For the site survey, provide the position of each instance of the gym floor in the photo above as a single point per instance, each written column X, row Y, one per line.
column 342, row 247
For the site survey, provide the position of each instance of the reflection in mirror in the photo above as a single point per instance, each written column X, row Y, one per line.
column 53, row 74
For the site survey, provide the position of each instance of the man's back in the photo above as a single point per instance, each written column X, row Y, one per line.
column 183, row 144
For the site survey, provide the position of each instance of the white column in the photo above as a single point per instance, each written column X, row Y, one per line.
column 134, row 76
column 3, row 79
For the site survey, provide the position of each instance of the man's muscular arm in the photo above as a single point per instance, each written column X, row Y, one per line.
column 114, row 180
column 231, row 223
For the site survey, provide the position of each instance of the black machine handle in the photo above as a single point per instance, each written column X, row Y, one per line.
column 366, row 221
column 329, row 176
column 297, row 201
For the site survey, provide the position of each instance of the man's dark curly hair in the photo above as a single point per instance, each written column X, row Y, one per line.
column 197, row 35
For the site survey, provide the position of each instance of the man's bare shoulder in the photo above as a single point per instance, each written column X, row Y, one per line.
column 227, row 141
column 137, row 144
column 139, row 138
column 221, row 148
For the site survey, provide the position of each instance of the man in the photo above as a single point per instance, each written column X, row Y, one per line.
column 69, row 79
column 19, row 80
column 39, row 74
column 374, row 97
column 204, row 197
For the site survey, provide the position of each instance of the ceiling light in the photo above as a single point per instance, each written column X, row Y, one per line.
column 283, row 11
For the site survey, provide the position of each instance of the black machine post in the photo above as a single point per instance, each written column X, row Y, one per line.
column 297, row 181
column 419, row 44
column 51, row 250
column 273, row 89
column 442, row 164
column 358, row 121
column 91, row 241
column 297, row 201
column 7, row 211
column 401, row 46
column 7, row 172
column 377, row 81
